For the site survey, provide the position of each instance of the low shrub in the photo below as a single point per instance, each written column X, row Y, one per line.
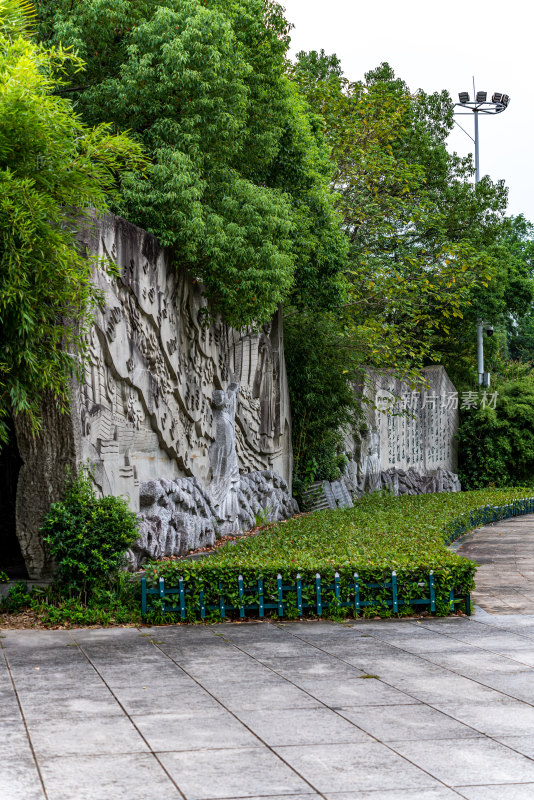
column 496, row 445
column 379, row 535
column 88, row 536
column 17, row 599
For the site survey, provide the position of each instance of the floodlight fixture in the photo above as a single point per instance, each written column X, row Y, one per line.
column 496, row 97
column 481, row 97
column 464, row 97
column 505, row 100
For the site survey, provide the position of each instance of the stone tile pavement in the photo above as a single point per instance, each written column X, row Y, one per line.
column 505, row 553
column 382, row 710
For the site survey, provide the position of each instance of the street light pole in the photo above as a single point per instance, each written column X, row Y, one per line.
column 477, row 155
column 480, row 105
column 480, row 352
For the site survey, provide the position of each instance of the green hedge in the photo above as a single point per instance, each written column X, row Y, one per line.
column 379, row 535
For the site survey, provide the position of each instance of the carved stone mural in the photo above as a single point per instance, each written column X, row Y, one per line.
column 174, row 404
column 407, row 442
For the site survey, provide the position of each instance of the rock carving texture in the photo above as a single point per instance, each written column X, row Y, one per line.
column 405, row 453
column 170, row 397
column 178, row 516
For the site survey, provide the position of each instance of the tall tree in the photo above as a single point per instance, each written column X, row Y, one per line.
column 427, row 250
column 239, row 185
column 50, row 165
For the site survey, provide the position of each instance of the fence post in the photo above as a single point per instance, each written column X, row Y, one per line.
column 394, row 592
column 468, row 605
column 221, row 601
column 318, row 600
column 241, row 596
column 143, row 597
column 260, row 597
column 280, row 596
column 337, row 589
column 299, row 594
column 356, row 593
column 182, row 598
column 162, row 594
column 202, row 607
column 451, row 598
column 432, row 591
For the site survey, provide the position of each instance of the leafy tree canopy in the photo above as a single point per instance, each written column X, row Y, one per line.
column 50, row 164
column 239, row 185
column 425, row 243
column 429, row 252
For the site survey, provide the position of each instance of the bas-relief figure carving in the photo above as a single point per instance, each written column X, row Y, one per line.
column 370, row 468
column 224, row 468
column 189, row 421
column 412, row 453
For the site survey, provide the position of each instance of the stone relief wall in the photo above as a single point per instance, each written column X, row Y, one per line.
column 407, row 444
column 200, row 411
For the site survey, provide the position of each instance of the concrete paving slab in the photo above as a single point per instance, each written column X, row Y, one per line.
column 407, row 723
column 34, row 639
column 354, row 767
column 506, row 718
column 522, row 742
column 439, row 793
column 475, row 761
column 312, row 796
column 14, row 742
column 447, row 687
column 9, row 705
column 312, row 667
column 301, row 726
column 87, row 701
column 155, row 699
column 227, row 672
column 275, row 648
column 194, row 731
column 520, row 791
column 241, row 772
column 41, row 679
column 272, row 694
column 355, row 692
column 162, row 675
column 132, row 776
column 473, row 660
column 73, row 736
column 19, row 779
column 517, row 685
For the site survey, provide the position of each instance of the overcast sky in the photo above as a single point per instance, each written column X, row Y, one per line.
column 436, row 46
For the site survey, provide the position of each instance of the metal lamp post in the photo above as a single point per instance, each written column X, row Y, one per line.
column 481, row 105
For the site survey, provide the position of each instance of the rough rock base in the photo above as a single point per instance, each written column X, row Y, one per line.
column 343, row 492
column 179, row 516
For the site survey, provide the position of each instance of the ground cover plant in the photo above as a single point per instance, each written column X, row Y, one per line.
column 379, row 535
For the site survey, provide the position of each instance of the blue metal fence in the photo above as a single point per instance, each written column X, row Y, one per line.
column 179, row 601
column 486, row 516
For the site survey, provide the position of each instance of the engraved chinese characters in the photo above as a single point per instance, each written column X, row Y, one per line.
column 407, row 444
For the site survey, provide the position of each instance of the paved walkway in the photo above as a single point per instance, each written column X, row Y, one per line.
column 382, row 710
column 505, row 553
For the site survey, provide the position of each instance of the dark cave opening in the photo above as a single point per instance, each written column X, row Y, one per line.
column 11, row 560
